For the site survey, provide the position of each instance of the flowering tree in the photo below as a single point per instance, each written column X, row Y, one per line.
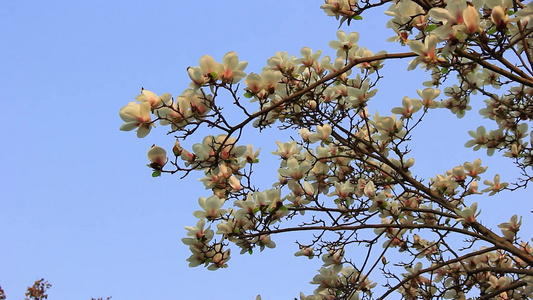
column 346, row 178
column 39, row 291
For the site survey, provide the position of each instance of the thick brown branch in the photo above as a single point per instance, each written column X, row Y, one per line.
column 501, row 270
column 372, row 226
column 523, row 80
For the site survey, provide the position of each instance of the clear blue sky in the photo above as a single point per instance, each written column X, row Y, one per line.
column 78, row 205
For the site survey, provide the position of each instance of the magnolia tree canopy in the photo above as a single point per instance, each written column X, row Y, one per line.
column 345, row 181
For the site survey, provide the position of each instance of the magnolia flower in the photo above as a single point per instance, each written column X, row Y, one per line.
column 514, row 151
column 198, row 236
column 509, row 229
column 234, row 183
column 152, row 98
column 261, row 199
column 253, row 83
column 472, row 81
column 468, row 214
column 473, row 188
column 338, row 8
column 199, row 231
column 204, row 150
column 388, row 127
column 408, row 108
column 308, row 188
column 248, row 204
column 470, row 20
column 320, row 67
column 200, row 104
column 227, row 147
column 198, row 79
column 370, row 66
column 333, row 257
column 224, row 170
column 249, row 155
column 405, row 12
column 305, row 134
column 343, row 190
column 265, row 241
column 305, row 251
column 427, row 52
column 261, row 86
column 499, row 17
column 322, row 133
column 445, row 184
column 281, row 62
column 458, row 101
column 197, row 258
column 176, row 113
column 480, row 138
column 495, row 186
column 136, row 115
column 228, row 228
column 157, row 157
column 338, row 64
column 452, row 14
column 308, row 59
column 295, row 169
column 428, row 97
column 211, row 70
column 449, row 16
column 474, row 169
column 455, row 13
column 416, row 273
column 327, row 278
column 370, row 190
column 212, row 208
column 458, row 174
column 345, row 42
column 489, row 77
column 286, row 150
column 232, row 69
column 359, row 96
column 212, row 180
column 295, row 187
column 187, row 156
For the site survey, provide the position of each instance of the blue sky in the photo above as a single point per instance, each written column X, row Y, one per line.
column 78, row 204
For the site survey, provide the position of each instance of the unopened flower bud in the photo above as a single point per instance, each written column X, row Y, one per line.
column 177, row 148
column 157, row 157
column 235, row 183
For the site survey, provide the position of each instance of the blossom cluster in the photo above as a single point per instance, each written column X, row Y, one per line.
column 347, row 175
